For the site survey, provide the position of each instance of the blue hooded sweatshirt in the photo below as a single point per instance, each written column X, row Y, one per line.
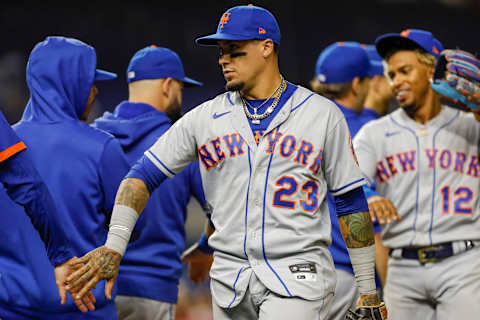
column 24, row 186
column 81, row 166
column 151, row 267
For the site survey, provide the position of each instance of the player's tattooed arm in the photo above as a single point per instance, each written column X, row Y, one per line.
column 133, row 193
column 357, row 230
column 99, row 264
column 103, row 263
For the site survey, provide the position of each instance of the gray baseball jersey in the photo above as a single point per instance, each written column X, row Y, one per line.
column 268, row 200
column 429, row 172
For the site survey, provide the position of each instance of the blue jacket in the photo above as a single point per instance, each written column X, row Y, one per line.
column 81, row 166
column 151, row 267
column 25, row 187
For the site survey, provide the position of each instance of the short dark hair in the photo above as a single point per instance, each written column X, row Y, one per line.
column 332, row 90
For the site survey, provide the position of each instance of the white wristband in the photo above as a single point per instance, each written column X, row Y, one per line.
column 363, row 263
column 121, row 226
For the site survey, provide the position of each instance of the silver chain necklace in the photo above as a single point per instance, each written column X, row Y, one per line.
column 257, row 117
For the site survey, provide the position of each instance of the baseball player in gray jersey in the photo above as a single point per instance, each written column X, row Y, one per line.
column 268, row 152
column 423, row 157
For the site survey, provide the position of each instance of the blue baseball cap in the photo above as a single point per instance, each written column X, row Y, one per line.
column 244, row 23
column 341, row 62
column 154, row 62
column 409, row 39
column 102, row 75
column 375, row 59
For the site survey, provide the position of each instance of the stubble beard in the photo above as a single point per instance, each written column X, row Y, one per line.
column 235, row 86
column 174, row 113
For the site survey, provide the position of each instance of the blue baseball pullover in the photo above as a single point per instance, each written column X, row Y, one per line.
column 338, row 248
column 81, row 166
column 25, row 187
column 151, row 267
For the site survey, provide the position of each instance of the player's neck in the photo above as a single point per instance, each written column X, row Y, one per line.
column 376, row 103
column 153, row 100
column 350, row 102
column 430, row 108
column 265, row 84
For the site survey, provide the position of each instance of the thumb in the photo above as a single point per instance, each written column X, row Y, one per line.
column 108, row 288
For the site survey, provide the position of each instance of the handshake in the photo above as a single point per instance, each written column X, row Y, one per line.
column 79, row 276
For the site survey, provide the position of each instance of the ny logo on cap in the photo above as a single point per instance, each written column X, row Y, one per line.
column 224, row 19
column 405, row 33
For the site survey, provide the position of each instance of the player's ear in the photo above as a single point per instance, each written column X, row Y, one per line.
column 166, row 86
column 430, row 72
column 268, row 48
column 356, row 85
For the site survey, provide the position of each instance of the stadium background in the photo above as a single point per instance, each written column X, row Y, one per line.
column 117, row 29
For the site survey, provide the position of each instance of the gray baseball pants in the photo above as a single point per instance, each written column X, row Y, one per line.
column 345, row 297
column 262, row 304
column 136, row 308
column 444, row 290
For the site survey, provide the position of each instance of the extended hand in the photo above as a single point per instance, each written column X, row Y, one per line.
column 383, row 209
column 200, row 263
column 61, row 273
column 99, row 264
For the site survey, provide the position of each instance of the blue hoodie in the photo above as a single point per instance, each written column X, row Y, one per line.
column 81, row 166
column 24, row 186
column 151, row 267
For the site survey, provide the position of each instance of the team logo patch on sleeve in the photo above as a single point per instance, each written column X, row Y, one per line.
column 304, row 272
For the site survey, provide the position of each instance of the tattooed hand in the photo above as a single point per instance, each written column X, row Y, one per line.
column 368, row 307
column 368, row 300
column 99, row 264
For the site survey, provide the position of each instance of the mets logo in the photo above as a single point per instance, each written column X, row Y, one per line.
column 224, row 20
column 405, row 33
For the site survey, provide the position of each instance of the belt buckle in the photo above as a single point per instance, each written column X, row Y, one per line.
column 422, row 254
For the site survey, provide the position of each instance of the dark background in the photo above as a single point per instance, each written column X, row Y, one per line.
column 118, row 29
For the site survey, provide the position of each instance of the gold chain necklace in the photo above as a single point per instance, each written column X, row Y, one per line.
column 257, row 117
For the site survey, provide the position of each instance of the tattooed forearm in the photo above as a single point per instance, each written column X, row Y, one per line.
column 133, row 193
column 357, row 229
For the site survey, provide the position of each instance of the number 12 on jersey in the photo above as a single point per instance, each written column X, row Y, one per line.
column 289, row 187
column 462, row 198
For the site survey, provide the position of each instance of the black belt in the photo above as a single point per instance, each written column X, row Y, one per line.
column 431, row 253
